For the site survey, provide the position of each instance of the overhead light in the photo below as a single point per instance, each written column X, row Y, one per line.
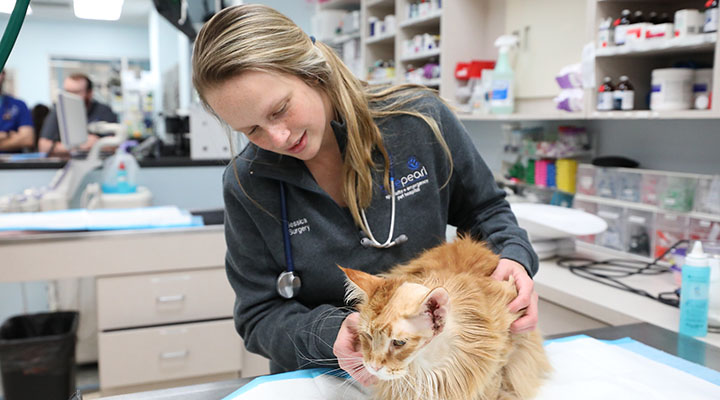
column 106, row 10
column 7, row 7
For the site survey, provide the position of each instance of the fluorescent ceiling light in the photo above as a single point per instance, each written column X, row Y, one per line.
column 7, row 7
column 106, row 10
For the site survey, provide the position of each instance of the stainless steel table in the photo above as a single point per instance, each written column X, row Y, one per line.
column 659, row 338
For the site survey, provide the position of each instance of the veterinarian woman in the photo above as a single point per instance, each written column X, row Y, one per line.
column 366, row 177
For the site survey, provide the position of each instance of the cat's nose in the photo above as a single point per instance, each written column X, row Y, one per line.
column 373, row 368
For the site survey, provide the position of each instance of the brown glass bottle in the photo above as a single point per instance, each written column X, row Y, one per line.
column 624, row 95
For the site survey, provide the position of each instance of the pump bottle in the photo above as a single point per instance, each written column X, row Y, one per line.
column 502, row 100
column 694, row 293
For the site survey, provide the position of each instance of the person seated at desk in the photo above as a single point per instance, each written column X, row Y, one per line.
column 81, row 85
column 16, row 127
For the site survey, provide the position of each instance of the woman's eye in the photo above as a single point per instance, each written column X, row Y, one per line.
column 280, row 111
column 398, row 343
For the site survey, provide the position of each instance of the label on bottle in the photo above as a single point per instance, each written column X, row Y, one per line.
column 604, row 37
column 627, row 100
column 500, row 89
column 623, row 100
column 620, row 34
column 605, row 101
column 711, row 20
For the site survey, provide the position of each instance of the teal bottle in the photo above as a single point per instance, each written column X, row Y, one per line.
column 694, row 293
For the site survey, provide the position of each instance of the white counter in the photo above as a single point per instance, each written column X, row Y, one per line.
column 610, row 305
column 30, row 257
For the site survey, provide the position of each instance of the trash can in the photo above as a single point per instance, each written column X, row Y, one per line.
column 37, row 356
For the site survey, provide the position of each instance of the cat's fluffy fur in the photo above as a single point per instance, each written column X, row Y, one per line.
column 438, row 327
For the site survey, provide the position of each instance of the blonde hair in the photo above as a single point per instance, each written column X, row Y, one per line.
column 254, row 37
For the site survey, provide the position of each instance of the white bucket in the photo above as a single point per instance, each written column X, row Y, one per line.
column 672, row 89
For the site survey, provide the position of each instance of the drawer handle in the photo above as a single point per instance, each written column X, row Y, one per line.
column 170, row 299
column 168, row 355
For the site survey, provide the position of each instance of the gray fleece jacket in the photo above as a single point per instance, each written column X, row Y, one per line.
column 299, row 333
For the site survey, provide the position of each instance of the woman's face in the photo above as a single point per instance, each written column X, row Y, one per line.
column 277, row 112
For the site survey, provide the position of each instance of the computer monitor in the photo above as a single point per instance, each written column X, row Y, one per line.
column 72, row 120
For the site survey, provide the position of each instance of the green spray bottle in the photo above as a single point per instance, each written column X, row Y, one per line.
column 502, row 100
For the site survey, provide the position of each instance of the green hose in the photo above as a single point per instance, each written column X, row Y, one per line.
column 12, row 30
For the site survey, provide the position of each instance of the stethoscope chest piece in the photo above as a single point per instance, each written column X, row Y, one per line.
column 288, row 284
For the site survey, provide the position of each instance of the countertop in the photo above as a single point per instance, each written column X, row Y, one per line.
column 663, row 339
column 56, row 163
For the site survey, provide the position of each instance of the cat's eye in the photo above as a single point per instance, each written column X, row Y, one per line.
column 398, row 343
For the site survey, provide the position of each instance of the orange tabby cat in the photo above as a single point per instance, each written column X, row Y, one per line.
column 438, row 327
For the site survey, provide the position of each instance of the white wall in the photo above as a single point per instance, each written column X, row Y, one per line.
column 40, row 39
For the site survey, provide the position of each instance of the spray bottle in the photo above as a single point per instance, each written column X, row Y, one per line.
column 694, row 293
column 502, row 100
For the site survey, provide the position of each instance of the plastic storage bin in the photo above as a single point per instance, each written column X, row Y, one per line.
column 677, row 193
column 606, row 183
column 614, row 236
column 650, row 187
column 669, row 228
column 639, row 232
column 628, row 185
column 37, row 356
column 707, row 195
column 703, row 229
column 585, row 183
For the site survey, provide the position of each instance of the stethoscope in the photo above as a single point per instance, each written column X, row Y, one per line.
column 288, row 283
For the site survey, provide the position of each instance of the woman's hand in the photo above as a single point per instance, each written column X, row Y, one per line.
column 346, row 351
column 526, row 299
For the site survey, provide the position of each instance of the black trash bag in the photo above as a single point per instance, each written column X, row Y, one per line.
column 37, row 356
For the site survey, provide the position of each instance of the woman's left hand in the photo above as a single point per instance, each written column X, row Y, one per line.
column 526, row 299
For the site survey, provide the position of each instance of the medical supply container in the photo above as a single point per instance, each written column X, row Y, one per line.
column 694, row 292
column 624, row 95
column 120, row 171
column 605, row 95
column 671, row 89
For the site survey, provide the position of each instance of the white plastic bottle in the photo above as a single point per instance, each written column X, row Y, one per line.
column 502, row 100
column 694, row 293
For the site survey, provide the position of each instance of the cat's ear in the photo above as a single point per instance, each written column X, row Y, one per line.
column 433, row 311
column 360, row 285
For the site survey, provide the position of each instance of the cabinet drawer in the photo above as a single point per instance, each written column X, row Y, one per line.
column 154, row 299
column 145, row 355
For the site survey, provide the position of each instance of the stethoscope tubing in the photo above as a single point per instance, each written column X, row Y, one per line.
column 289, row 264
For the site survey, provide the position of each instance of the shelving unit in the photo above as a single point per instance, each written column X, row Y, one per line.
column 638, row 62
column 635, row 62
column 458, row 23
column 347, row 45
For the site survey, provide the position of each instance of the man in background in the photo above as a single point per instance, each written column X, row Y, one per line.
column 80, row 85
column 16, row 127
